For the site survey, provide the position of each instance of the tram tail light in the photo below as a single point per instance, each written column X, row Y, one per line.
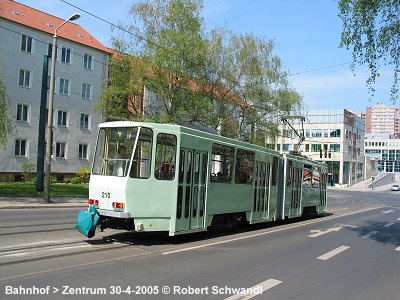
column 118, row 205
column 95, row 202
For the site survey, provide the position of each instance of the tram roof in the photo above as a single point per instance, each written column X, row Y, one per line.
column 183, row 129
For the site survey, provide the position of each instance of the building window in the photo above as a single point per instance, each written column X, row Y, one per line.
column 86, row 91
column 334, row 133
column 83, row 151
column 84, row 124
column 315, row 147
column 64, row 86
column 24, row 79
column 20, row 148
column 62, row 118
column 88, row 61
column 50, row 50
column 66, row 55
column 26, row 44
column 316, row 133
column 60, row 150
column 22, row 112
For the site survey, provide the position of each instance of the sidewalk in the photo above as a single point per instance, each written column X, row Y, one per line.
column 38, row 202
column 362, row 187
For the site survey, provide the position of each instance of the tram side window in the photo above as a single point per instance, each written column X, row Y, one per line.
column 221, row 163
column 244, row 166
column 274, row 179
column 289, row 174
column 142, row 158
column 307, row 176
column 165, row 157
column 316, row 178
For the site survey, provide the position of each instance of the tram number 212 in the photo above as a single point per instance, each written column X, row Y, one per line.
column 105, row 195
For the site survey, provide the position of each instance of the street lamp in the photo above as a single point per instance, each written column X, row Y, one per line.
column 49, row 138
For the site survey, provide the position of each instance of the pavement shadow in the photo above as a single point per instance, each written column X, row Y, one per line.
column 162, row 238
column 377, row 232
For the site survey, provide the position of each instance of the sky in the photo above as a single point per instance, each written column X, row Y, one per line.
column 306, row 35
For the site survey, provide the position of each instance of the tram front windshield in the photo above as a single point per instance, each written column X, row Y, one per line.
column 114, row 150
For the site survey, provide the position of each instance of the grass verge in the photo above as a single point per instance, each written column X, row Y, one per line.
column 56, row 189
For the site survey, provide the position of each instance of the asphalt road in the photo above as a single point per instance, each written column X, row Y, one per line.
column 352, row 253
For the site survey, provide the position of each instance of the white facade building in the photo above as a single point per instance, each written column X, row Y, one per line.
column 385, row 150
column 335, row 136
column 81, row 68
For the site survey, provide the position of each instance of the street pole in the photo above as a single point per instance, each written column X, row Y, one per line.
column 42, row 127
column 49, row 137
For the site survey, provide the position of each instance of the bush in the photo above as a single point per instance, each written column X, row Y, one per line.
column 27, row 170
column 83, row 174
column 67, row 180
column 75, row 180
column 53, row 179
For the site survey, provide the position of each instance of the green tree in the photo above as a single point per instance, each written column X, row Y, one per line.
column 257, row 86
column 372, row 29
column 172, row 51
column 124, row 87
column 5, row 115
column 221, row 80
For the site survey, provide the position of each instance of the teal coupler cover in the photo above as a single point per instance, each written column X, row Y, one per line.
column 87, row 221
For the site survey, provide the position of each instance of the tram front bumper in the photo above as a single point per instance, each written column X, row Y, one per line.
column 115, row 220
column 114, row 214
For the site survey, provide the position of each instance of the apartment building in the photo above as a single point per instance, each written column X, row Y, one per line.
column 81, row 68
column 382, row 119
column 334, row 136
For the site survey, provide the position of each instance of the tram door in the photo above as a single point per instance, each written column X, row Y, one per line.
column 261, row 192
column 294, row 185
column 191, row 190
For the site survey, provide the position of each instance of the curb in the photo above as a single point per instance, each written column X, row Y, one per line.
column 42, row 206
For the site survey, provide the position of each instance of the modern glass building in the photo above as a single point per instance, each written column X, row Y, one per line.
column 385, row 150
column 335, row 136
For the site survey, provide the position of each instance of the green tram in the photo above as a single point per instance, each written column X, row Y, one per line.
column 161, row 177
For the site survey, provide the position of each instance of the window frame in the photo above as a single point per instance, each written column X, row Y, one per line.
column 81, row 152
column 24, row 46
column 24, row 79
column 20, row 113
column 19, row 148
column 64, row 118
column 61, row 87
column 66, row 55
column 84, row 91
column 61, row 150
column 84, row 121
column 88, row 61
